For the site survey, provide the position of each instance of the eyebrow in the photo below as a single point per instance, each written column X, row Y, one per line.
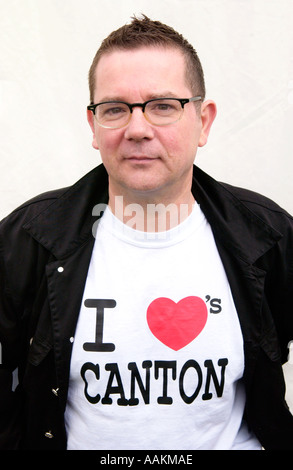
column 166, row 94
column 152, row 96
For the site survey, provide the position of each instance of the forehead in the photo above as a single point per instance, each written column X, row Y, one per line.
column 145, row 71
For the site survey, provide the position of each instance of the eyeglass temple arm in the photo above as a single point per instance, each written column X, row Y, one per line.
column 189, row 100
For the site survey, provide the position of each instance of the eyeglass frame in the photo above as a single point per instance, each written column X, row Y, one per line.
column 183, row 101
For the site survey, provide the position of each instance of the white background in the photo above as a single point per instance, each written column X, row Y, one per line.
column 46, row 48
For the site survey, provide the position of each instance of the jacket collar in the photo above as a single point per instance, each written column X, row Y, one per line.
column 68, row 221
column 246, row 235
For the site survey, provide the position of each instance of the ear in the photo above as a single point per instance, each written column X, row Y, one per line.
column 208, row 114
column 90, row 118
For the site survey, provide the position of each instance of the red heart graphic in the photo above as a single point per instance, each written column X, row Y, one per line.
column 176, row 325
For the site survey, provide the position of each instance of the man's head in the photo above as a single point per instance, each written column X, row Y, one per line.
column 146, row 159
column 144, row 33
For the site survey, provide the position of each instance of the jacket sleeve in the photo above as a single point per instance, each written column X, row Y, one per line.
column 278, row 265
column 10, row 401
column 280, row 290
column 279, row 282
column 19, row 261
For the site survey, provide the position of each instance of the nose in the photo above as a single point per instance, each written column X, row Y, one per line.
column 138, row 127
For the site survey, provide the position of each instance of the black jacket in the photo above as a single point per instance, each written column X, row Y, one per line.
column 39, row 303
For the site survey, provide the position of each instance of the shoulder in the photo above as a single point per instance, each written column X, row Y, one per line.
column 222, row 197
column 31, row 208
column 40, row 201
column 261, row 205
column 89, row 185
column 48, row 211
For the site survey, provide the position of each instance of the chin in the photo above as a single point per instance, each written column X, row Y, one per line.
column 141, row 189
column 142, row 182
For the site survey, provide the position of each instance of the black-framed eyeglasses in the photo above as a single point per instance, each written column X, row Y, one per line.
column 159, row 111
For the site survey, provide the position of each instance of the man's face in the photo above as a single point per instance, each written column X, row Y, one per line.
column 142, row 159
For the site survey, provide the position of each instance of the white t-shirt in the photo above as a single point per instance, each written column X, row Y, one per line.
column 157, row 358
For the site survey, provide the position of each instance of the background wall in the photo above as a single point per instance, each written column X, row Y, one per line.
column 46, row 48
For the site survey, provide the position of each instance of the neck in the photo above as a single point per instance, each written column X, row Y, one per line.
column 149, row 214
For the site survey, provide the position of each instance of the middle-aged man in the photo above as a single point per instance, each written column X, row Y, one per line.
column 147, row 306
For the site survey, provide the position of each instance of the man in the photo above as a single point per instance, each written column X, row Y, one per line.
column 147, row 306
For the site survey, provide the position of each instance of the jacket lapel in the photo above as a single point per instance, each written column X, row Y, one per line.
column 67, row 223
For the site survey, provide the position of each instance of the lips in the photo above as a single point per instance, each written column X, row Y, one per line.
column 140, row 158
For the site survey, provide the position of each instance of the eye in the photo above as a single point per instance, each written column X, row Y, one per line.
column 111, row 111
column 162, row 107
column 114, row 111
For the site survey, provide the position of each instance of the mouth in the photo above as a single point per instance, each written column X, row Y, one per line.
column 140, row 159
